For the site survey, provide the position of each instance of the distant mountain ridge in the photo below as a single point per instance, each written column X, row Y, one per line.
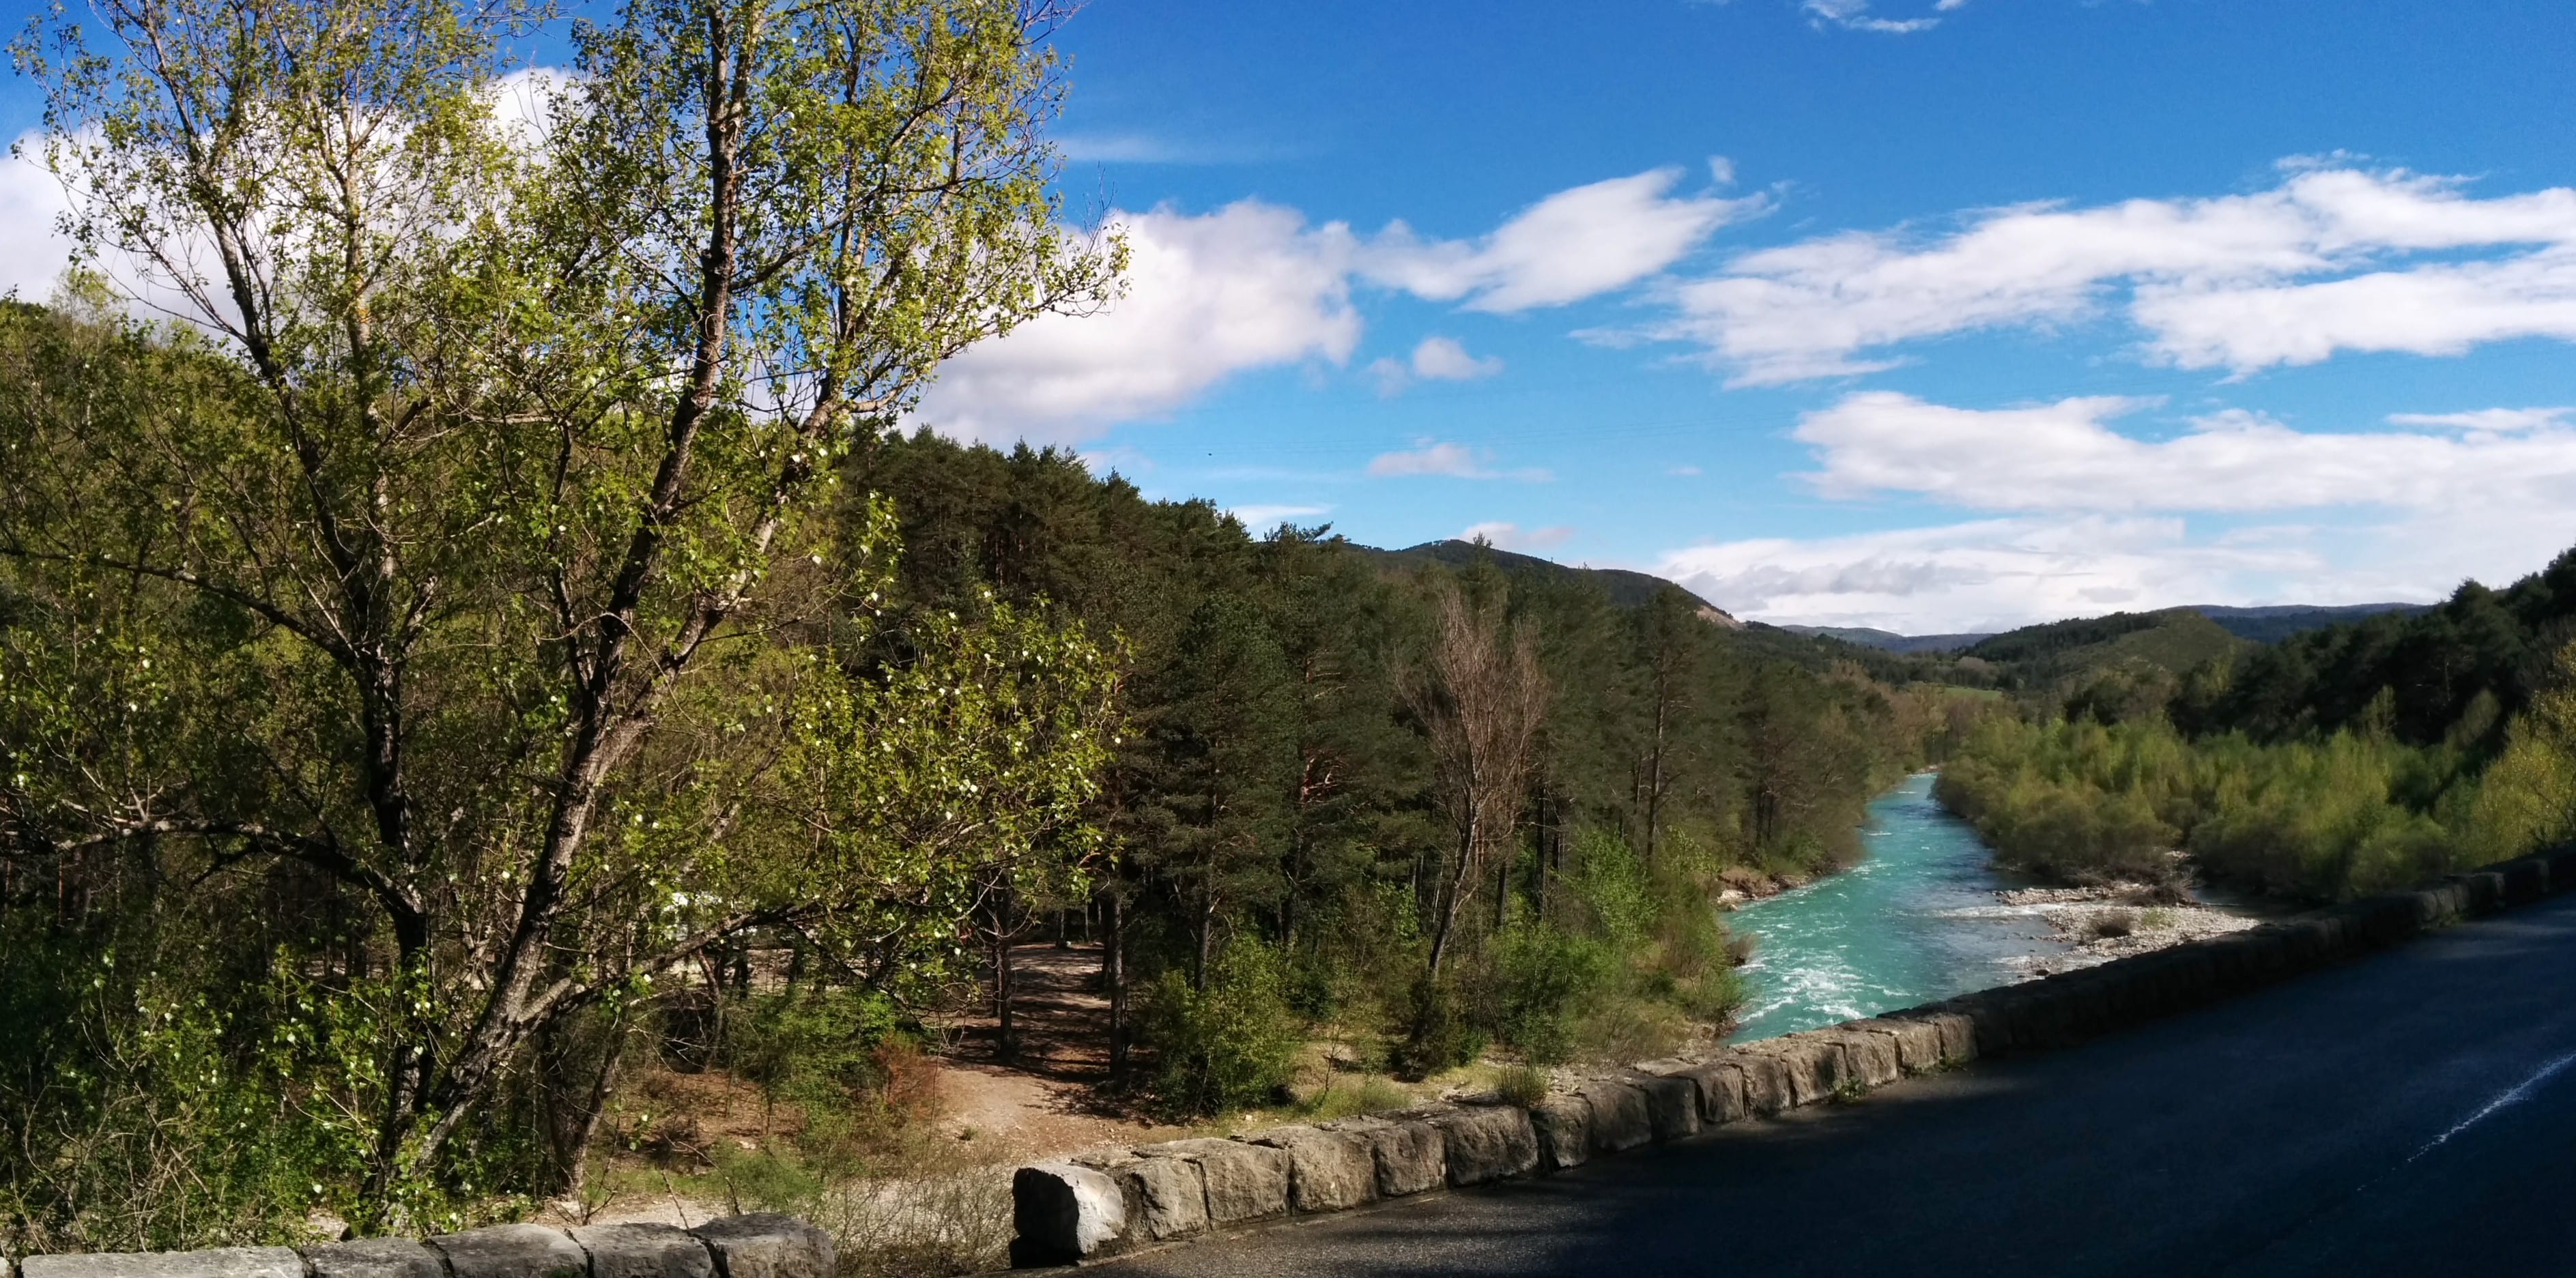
column 2270, row 623
column 1626, row 588
column 1889, row 640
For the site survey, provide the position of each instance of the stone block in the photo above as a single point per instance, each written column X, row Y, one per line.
column 220, row 1262
column 1954, row 1035
column 1764, row 1079
column 1244, row 1181
column 769, row 1245
column 513, row 1251
column 2562, row 868
column 2485, row 891
column 1165, row 1197
column 2525, row 880
column 1487, row 1142
column 1327, row 1171
column 1411, row 1155
column 1064, row 1212
column 1563, row 1125
column 379, row 1258
column 1721, row 1092
column 1672, row 1106
column 1622, row 1118
column 2440, row 905
column 1989, row 1021
column 1917, row 1044
column 1814, row 1065
column 1870, row 1059
column 662, row 1251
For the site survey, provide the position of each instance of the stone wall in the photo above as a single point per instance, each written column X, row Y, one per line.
column 754, row 1246
column 1105, row 1202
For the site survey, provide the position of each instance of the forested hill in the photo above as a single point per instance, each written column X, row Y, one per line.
column 1623, row 587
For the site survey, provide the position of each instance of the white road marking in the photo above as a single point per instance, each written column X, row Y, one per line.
column 2512, row 1095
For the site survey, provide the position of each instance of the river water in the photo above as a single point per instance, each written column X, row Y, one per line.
column 1915, row 921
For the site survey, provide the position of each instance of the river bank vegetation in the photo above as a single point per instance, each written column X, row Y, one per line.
column 2356, row 758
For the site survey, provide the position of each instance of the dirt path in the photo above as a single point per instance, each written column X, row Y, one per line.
column 1042, row 1098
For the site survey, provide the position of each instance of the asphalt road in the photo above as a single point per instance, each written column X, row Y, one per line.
column 2412, row 1113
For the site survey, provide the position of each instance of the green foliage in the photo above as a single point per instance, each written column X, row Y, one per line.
column 1226, row 1046
column 2433, row 666
column 458, row 586
column 2348, row 814
column 1521, row 1085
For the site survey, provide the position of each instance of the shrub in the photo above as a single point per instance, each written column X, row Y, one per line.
column 1545, row 979
column 1226, row 1046
column 1522, row 1085
column 841, row 1060
column 1440, row 1034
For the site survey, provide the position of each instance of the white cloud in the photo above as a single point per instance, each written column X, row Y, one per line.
column 2488, row 420
column 2228, row 282
column 1437, row 359
column 1455, row 461
column 31, row 198
column 2064, row 457
column 1572, row 245
column 2097, row 520
column 1443, row 359
column 1248, row 286
column 1265, row 518
column 1687, row 472
column 1508, row 536
column 1988, row 574
column 1854, row 15
column 1253, row 286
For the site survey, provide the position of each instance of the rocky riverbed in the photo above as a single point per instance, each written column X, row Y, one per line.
column 2116, row 920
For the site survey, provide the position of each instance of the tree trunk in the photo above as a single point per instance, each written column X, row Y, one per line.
column 1006, row 1036
column 1113, row 971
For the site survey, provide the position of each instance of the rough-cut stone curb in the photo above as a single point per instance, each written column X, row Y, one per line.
column 1065, row 1211
column 513, row 1251
column 375, row 1258
column 1563, row 1125
column 1165, row 1198
column 768, row 1245
column 1414, row 1151
column 754, row 1246
column 1411, row 1155
column 1487, row 1142
column 1621, row 1117
column 1327, row 1171
column 1244, row 1182
column 220, row 1262
column 645, row 1251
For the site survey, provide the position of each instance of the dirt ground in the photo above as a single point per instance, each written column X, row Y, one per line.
column 1041, row 1098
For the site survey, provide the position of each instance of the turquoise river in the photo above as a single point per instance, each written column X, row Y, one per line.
column 1916, row 920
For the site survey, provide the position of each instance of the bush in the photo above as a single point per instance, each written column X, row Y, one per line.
column 1545, row 979
column 1440, row 1033
column 1522, row 1085
column 1228, row 1046
column 842, row 1060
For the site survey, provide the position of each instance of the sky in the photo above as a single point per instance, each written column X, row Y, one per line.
column 1929, row 315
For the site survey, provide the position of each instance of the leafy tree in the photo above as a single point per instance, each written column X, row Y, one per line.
column 468, row 569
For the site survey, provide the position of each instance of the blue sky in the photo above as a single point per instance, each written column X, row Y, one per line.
column 1924, row 314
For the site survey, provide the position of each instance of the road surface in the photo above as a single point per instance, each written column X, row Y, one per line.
column 2411, row 1113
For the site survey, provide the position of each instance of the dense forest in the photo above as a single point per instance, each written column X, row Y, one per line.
column 2352, row 758
column 1394, row 790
